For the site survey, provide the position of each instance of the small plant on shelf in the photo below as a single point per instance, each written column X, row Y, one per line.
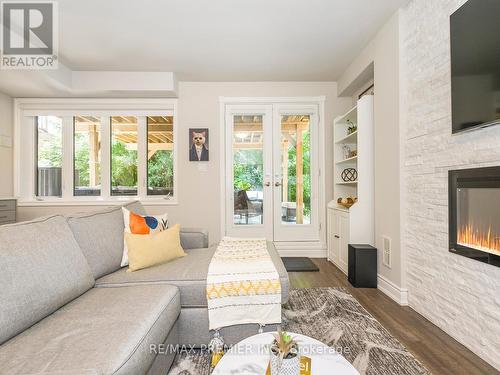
column 352, row 127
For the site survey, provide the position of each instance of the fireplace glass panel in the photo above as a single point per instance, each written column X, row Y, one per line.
column 478, row 219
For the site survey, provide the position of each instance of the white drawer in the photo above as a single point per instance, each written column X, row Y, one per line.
column 7, row 217
column 8, row 205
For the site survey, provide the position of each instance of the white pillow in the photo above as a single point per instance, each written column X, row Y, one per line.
column 138, row 224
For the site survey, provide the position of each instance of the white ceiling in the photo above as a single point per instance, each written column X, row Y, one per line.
column 220, row 40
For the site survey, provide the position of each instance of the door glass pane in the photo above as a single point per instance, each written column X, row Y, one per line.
column 295, row 169
column 123, row 155
column 49, row 156
column 248, row 170
column 87, row 156
column 160, row 155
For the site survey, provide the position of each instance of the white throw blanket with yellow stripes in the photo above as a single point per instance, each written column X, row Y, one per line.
column 243, row 285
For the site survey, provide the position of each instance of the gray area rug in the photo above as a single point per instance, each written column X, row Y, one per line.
column 335, row 317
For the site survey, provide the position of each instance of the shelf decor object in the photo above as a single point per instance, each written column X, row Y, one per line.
column 349, row 175
column 347, row 202
column 353, row 154
column 352, row 127
column 346, row 151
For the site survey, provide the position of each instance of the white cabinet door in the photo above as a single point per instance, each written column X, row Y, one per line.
column 338, row 238
column 336, row 241
column 337, row 220
column 329, row 234
column 343, row 241
column 332, row 231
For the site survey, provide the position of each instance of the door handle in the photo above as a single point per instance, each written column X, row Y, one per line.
column 336, row 236
column 277, row 184
column 267, row 184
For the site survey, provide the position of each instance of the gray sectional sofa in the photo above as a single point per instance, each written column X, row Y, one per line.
column 66, row 306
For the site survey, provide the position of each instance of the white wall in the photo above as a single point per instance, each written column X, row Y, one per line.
column 199, row 191
column 6, row 126
column 383, row 53
column 460, row 295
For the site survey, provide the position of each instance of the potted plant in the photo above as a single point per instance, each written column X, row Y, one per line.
column 352, row 127
column 285, row 358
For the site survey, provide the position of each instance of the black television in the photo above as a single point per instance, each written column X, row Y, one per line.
column 475, row 65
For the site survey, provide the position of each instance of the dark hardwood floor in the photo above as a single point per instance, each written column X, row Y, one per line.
column 439, row 352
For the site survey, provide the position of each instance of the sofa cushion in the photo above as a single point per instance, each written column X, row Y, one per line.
column 105, row 331
column 41, row 269
column 146, row 251
column 194, row 238
column 135, row 207
column 188, row 273
column 141, row 224
column 100, row 236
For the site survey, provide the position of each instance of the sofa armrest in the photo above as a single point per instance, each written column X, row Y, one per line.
column 194, row 238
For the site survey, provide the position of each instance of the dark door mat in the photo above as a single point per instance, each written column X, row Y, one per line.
column 293, row 264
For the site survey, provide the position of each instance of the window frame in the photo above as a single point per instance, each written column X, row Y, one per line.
column 26, row 111
column 147, row 157
column 74, row 157
column 36, row 153
column 140, row 136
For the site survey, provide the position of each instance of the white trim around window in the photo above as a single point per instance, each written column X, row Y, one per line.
column 25, row 112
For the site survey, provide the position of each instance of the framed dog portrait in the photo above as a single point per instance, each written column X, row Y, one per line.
column 198, row 140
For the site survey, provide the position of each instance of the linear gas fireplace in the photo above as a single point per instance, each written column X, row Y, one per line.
column 474, row 213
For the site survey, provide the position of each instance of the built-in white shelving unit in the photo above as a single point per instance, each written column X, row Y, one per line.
column 348, row 139
column 347, row 183
column 348, row 160
column 356, row 224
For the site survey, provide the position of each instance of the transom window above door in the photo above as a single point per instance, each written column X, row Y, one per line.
column 76, row 155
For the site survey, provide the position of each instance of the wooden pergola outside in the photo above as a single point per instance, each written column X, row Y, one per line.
column 248, row 132
column 124, row 129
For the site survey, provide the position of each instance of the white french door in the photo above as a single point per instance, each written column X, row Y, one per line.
column 271, row 171
column 295, row 172
column 249, row 189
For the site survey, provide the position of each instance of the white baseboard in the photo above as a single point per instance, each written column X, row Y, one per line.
column 301, row 249
column 393, row 291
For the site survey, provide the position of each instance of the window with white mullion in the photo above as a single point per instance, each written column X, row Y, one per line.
column 124, row 156
column 105, row 157
column 67, row 158
column 160, row 155
column 87, row 156
column 67, row 152
column 26, row 179
column 49, row 141
column 142, row 159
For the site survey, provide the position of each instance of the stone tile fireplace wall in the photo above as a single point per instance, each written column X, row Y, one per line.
column 460, row 295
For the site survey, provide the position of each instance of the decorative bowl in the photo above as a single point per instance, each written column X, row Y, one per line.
column 346, row 202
